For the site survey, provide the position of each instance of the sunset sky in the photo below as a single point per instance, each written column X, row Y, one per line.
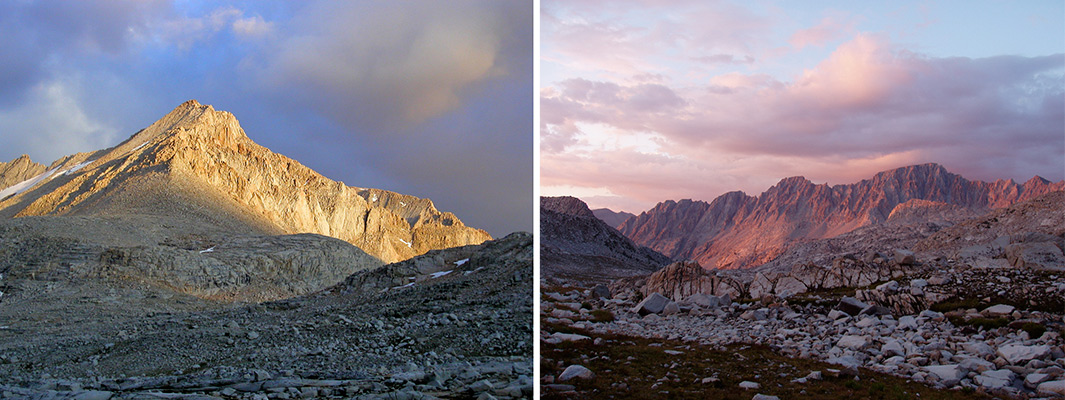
column 428, row 98
column 645, row 101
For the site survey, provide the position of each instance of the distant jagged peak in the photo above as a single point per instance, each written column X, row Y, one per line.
column 677, row 203
column 20, row 162
column 927, row 172
column 566, row 205
column 797, row 180
column 1037, row 180
column 788, row 186
column 25, row 158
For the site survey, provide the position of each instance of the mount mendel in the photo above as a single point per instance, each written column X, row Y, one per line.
column 197, row 164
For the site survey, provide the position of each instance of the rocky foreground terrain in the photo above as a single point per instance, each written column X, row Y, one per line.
column 938, row 304
column 454, row 323
column 992, row 331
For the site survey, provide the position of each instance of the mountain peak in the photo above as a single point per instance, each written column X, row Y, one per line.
column 191, row 103
column 197, row 158
column 190, row 120
column 1037, row 180
column 566, row 205
column 926, row 169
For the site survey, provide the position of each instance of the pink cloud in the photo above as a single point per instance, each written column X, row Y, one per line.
column 591, row 36
column 858, row 74
column 867, row 107
column 830, row 28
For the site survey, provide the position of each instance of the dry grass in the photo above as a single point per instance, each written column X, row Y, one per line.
column 648, row 372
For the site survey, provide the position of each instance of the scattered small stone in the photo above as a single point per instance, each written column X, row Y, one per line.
column 764, row 397
column 575, row 371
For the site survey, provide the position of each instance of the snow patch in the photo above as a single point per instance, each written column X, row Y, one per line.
column 435, row 275
column 404, row 242
column 77, row 167
column 210, row 250
column 402, row 204
column 462, row 261
column 25, row 185
column 374, row 198
column 470, row 272
column 404, row 286
column 139, row 147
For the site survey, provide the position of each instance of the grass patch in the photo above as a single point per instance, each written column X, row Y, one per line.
column 955, row 303
column 561, row 306
column 982, row 323
column 640, row 368
column 1034, row 329
column 602, row 315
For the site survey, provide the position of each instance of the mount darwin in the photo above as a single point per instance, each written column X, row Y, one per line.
column 190, row 261
column 737, row 231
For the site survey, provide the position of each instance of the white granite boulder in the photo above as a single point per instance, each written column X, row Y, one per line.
column 1017, row 354
column 652, row 304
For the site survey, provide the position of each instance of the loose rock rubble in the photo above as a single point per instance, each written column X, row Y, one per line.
column 463, row 334
column 1014, row 350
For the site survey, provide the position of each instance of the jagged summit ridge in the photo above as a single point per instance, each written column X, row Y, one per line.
column 200, row 160
column 737, row 231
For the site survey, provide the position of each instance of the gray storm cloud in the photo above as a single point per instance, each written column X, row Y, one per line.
column 385, row 63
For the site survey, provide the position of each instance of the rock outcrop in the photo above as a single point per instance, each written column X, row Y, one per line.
column 681, row 280
column 245, row 268
column 197, row 163
column 740, row 231
column 575, row 244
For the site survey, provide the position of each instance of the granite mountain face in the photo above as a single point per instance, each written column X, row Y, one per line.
column 740, row 231
column 197, row 164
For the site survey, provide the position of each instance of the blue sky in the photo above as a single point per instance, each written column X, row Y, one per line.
column 425, row 98
column 644, row 101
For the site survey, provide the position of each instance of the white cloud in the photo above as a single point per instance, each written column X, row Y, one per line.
column 252, row 27
column 184, row 32
column 51, row 123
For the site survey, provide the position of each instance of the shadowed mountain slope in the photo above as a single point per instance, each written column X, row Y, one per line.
column 575, row 244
